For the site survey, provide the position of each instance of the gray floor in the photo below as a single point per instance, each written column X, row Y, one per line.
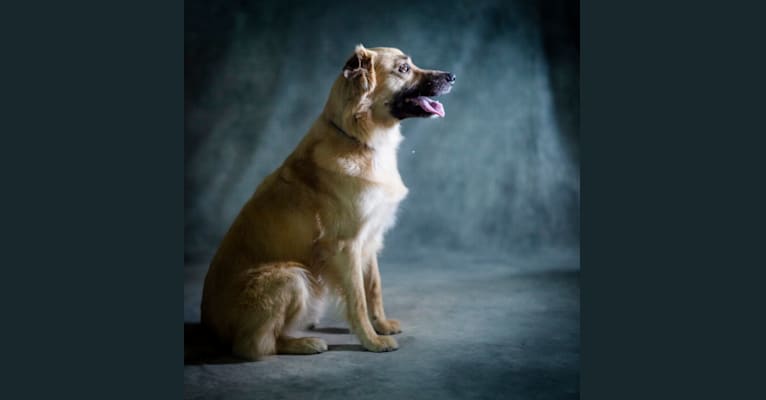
column 472, row 329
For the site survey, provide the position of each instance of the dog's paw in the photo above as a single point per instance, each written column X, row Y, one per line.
column 387, row 326
column 382, row 344
column 305, row 345
column 313, row 345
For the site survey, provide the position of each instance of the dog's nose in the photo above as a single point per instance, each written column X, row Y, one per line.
column 450, row 77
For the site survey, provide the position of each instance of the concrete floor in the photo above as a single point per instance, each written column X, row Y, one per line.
column 472, row 329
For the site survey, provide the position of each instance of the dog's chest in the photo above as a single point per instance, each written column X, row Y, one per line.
column 371, row 191
column 380, row 200
column 376, row 206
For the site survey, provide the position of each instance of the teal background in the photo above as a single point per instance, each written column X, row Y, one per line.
column 499, row 175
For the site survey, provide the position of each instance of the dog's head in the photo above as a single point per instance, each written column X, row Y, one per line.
column 382, row 86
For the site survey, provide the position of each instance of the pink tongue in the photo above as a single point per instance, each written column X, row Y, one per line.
column 432, row 106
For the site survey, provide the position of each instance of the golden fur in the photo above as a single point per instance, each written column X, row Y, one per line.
column 315, row 225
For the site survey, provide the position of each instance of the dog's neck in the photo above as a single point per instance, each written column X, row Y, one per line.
column 345, row 134
column 380, row 139
column 377, row 152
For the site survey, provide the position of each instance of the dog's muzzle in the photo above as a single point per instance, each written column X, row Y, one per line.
column 417, row 102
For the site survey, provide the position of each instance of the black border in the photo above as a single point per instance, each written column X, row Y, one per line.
column 672, row 200
column 92, row 166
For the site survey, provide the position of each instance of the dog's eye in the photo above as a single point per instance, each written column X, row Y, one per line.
column 404, row 68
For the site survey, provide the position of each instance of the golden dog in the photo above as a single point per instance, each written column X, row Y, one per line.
column 316, row 224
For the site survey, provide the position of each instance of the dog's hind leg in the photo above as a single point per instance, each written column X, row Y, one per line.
column 275, row 297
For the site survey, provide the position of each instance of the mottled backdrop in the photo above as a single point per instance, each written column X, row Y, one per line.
column 499, row 175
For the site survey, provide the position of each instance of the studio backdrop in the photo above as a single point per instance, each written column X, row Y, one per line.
column 498, row 175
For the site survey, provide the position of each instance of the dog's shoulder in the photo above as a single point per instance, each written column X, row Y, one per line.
column 329, row 163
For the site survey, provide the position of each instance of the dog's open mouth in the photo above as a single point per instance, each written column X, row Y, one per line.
column 414, row 103
column 428, row 105
column 417, row 101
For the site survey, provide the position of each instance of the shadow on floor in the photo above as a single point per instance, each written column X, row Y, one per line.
column 201, row 347
column 339, row 331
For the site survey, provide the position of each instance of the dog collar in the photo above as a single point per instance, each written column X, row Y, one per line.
column 344, row 133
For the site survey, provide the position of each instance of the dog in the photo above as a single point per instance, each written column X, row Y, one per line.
column 314, row 226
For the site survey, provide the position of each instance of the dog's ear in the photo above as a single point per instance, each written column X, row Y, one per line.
column 360, row 69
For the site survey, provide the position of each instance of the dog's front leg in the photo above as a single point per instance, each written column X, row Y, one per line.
column 349, row 261
column 374, row 292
